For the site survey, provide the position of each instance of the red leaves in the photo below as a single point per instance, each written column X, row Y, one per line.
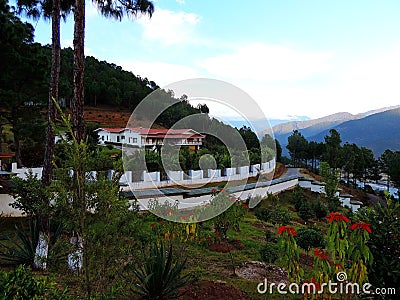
column 336, row 216
column 362, row 226
column 322, row 255
column 289, row 229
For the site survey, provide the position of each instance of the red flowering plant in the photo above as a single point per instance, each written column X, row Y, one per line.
column 337, row 236
column 359, row 252
column 290, row 252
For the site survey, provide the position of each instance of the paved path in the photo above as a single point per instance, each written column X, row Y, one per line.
column 291, row 172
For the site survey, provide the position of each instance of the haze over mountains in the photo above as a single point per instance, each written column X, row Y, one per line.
column 377, row 129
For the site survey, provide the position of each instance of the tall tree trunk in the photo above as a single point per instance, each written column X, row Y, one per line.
column 79, row 65
column 44, row 220
column 53, row 93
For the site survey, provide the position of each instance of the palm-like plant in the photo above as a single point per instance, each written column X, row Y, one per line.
column 21, row 249
column 160, row 277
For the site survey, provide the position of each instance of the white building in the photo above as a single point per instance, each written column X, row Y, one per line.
column 149, row 137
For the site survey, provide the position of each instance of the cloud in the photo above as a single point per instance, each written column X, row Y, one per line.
column 168, row 27
column 160, row 72
column 262, row 62
column 181, row 2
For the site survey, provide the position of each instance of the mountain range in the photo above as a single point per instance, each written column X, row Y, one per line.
column 377, row 129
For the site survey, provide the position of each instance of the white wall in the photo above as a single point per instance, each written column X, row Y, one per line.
column 196, row 174
column 243, row 170
column 175, row 175
column 230, row 171
column 6, row 209
column 22, row 172
column 150, row 176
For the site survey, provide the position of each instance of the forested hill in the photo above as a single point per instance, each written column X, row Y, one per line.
column 105, row 83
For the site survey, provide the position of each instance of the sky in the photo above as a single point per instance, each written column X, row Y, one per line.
column 294, row 58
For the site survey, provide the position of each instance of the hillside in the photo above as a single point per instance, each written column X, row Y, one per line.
column 378, row 132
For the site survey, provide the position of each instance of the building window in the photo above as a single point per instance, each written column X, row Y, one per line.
column 134, row 140
column 122, row 137
column 102, row 137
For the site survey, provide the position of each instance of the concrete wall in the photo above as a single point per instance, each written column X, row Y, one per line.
column 214, row 173
column 6, row 209
column 198, row 174
column 175, row 175
column 23, row 171
column 256, row 168
column 243, row 170
column 150, row 176
column 230, row 171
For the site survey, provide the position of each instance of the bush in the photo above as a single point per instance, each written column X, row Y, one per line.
column 306, row 211
column 275, row 216
column 21, row 284
column 280, row 216
column 263, row 214
column 320, row 210
column 271, row 237
column 269, row 253
column 310, row 237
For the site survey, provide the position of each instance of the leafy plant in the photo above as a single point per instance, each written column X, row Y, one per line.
column 21, row 249
column 306, row 211
column 160, row 277
column 270, row 252
column 21, row 284
column 310, row 237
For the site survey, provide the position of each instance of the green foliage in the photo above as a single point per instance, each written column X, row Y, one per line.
column 310, row 237
column 269, row 252
column 160, row 276
column 331, row 179
column 320, row 210
column 271, row 236
column 230, row 218
column 28, row 194
column 21, row 248
column 306, row 211
column 278, row 215
column 384, row 242
column 21, row 284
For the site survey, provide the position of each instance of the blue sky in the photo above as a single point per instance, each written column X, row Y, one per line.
column 295, row 58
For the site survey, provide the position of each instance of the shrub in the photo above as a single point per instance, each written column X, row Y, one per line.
column 278, row 215
column 263, row 214
column 160, row 277
column 310, row 237
column 269, row 253
column 306, row 211
column 320, row 210
column 21, row 284
column 271, row 236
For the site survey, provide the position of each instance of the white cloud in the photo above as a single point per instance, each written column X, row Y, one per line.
column 262, row 62
column 168, row 27
column 181, row 2
column 160, row 72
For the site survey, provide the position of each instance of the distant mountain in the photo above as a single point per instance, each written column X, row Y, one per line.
column 379, row 131
column 260, row 125
column 311, row 128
